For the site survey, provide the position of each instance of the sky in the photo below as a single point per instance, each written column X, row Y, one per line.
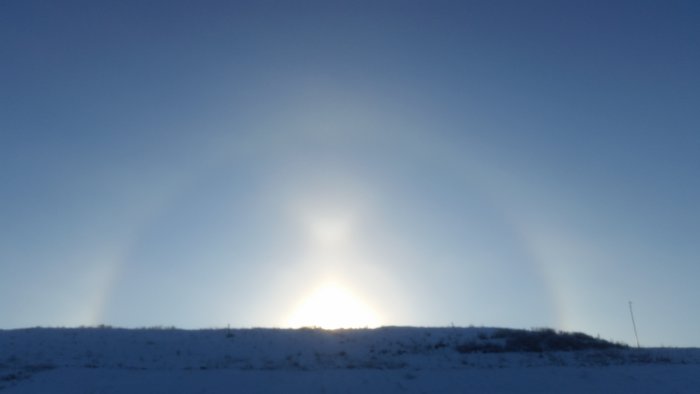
column 352, row 163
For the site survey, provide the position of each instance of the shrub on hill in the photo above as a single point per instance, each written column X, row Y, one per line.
column 539, row 340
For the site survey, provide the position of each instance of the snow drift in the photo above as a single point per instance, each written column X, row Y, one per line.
column 388, row 359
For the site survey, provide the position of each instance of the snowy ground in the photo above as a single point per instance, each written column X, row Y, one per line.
column 414, row 360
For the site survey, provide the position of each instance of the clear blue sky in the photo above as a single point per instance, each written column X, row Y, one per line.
column 206, row 163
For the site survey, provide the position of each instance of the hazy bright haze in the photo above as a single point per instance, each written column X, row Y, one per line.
column 206, row 163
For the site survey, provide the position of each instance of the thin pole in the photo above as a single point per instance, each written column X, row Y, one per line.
column 634, row 324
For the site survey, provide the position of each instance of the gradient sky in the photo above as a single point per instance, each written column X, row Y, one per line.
column 204, row 163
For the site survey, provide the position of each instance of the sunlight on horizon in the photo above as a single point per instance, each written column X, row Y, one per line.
column 330, row 302
column 332, row 307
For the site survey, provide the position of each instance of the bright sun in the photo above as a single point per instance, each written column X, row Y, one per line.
column 330, row 247
column 331, row 307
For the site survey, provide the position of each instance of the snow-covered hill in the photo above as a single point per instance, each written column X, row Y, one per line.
column 390, row 359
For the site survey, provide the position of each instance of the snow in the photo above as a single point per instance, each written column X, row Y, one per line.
column 389, row 359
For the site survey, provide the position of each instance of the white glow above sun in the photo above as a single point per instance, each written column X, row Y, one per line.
column 329, row 232
column 332, row 307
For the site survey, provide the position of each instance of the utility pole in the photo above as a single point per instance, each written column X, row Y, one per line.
column 634, row 324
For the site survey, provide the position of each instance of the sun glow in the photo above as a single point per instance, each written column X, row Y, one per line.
column 331, row 307
column 329, row 232
column 333, row 251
